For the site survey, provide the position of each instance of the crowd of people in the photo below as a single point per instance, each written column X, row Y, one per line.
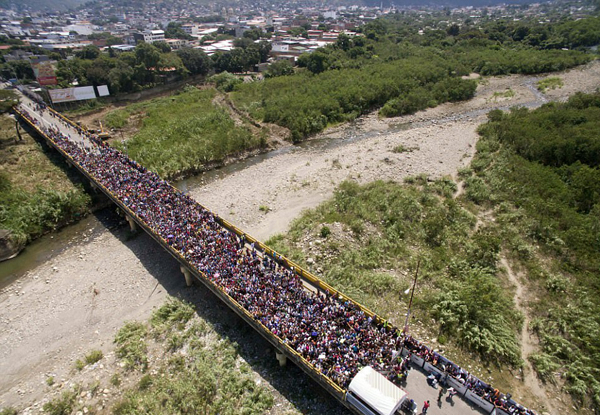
column 471, row 382
column 335, row 336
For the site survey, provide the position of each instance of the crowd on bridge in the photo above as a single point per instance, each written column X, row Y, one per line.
column 335, row 336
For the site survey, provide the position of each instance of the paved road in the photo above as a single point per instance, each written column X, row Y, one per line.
column 46, row 121
column 418, row 389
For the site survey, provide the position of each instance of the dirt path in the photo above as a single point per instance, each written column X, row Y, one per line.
column 529, row 345
column 76, row 301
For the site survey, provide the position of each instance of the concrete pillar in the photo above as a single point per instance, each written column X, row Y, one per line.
column 189, row 281
column 132, row 224
column 281, row 358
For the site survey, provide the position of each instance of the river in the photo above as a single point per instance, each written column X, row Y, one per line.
column 50, row 245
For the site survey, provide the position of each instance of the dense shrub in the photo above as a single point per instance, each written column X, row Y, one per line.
column 544, row 180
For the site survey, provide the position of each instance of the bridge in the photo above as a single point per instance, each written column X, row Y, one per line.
column 327, row 334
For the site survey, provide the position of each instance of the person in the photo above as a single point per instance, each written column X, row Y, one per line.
column 425, row 407
column 441, row 394
column 451, row 393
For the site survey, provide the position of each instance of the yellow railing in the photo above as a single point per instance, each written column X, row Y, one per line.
column 232, row 302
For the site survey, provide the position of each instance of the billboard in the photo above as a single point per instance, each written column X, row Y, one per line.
column 72, row 94
column 44, row 72
column 103, row 91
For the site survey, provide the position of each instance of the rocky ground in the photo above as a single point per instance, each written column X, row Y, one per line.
column 75, row 302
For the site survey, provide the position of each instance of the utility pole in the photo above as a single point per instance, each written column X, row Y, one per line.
column 412, row 294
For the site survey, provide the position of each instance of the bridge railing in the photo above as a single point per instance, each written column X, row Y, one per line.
column 273, row 339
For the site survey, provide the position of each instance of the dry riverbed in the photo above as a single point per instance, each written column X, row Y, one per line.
column 76, row 301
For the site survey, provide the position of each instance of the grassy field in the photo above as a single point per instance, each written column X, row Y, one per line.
column 173, row 364
column 37, row 193
column 370, row 239
column 183, row 133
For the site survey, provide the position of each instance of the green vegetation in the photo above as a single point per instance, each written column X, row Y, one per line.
column 403, row 149
column 50, row 380
column 183, row 133
column 132, row 347
column 207, row 378
column 173, row 314
column 79, row 364
column 541, row 172
column 115, row 380
column 37, row 195
column 306, row 103
column 550, row 83
column 391, row 226
column 9, row 411
column 225, row 82
column 116, row 119
column 509, row 93
column 93, row 357
column 398, row 71
column 63, row 405
column 8, row 99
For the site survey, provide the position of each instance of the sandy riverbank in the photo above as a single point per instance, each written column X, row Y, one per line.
column 76, row 301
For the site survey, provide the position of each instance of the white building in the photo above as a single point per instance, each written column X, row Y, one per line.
column 150, row 36
column 190, row 29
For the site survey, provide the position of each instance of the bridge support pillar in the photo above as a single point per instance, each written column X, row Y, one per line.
column 132, row 224
column 281, row 358
column 189, row 281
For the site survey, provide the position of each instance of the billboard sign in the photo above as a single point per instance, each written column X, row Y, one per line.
column 44, row 72
column 103, row 91
column 72, row 94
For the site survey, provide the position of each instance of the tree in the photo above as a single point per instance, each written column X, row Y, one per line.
column 19, row 69
column 90, row 52
column 162, row 46
column 195, row 60
column 147, row 54
column 97, row 72
column 253, row 34
column 171, row 60
column 316, row 62
column 279, row 68
column 233, row 61
column 343, row 42
column 243, row 42
column 129, row 58
column 174, row 31
column 67, row 71
column 120, row 78
column 8, row 99
column 113, row 40
column 264, row 48
column 453, row 30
